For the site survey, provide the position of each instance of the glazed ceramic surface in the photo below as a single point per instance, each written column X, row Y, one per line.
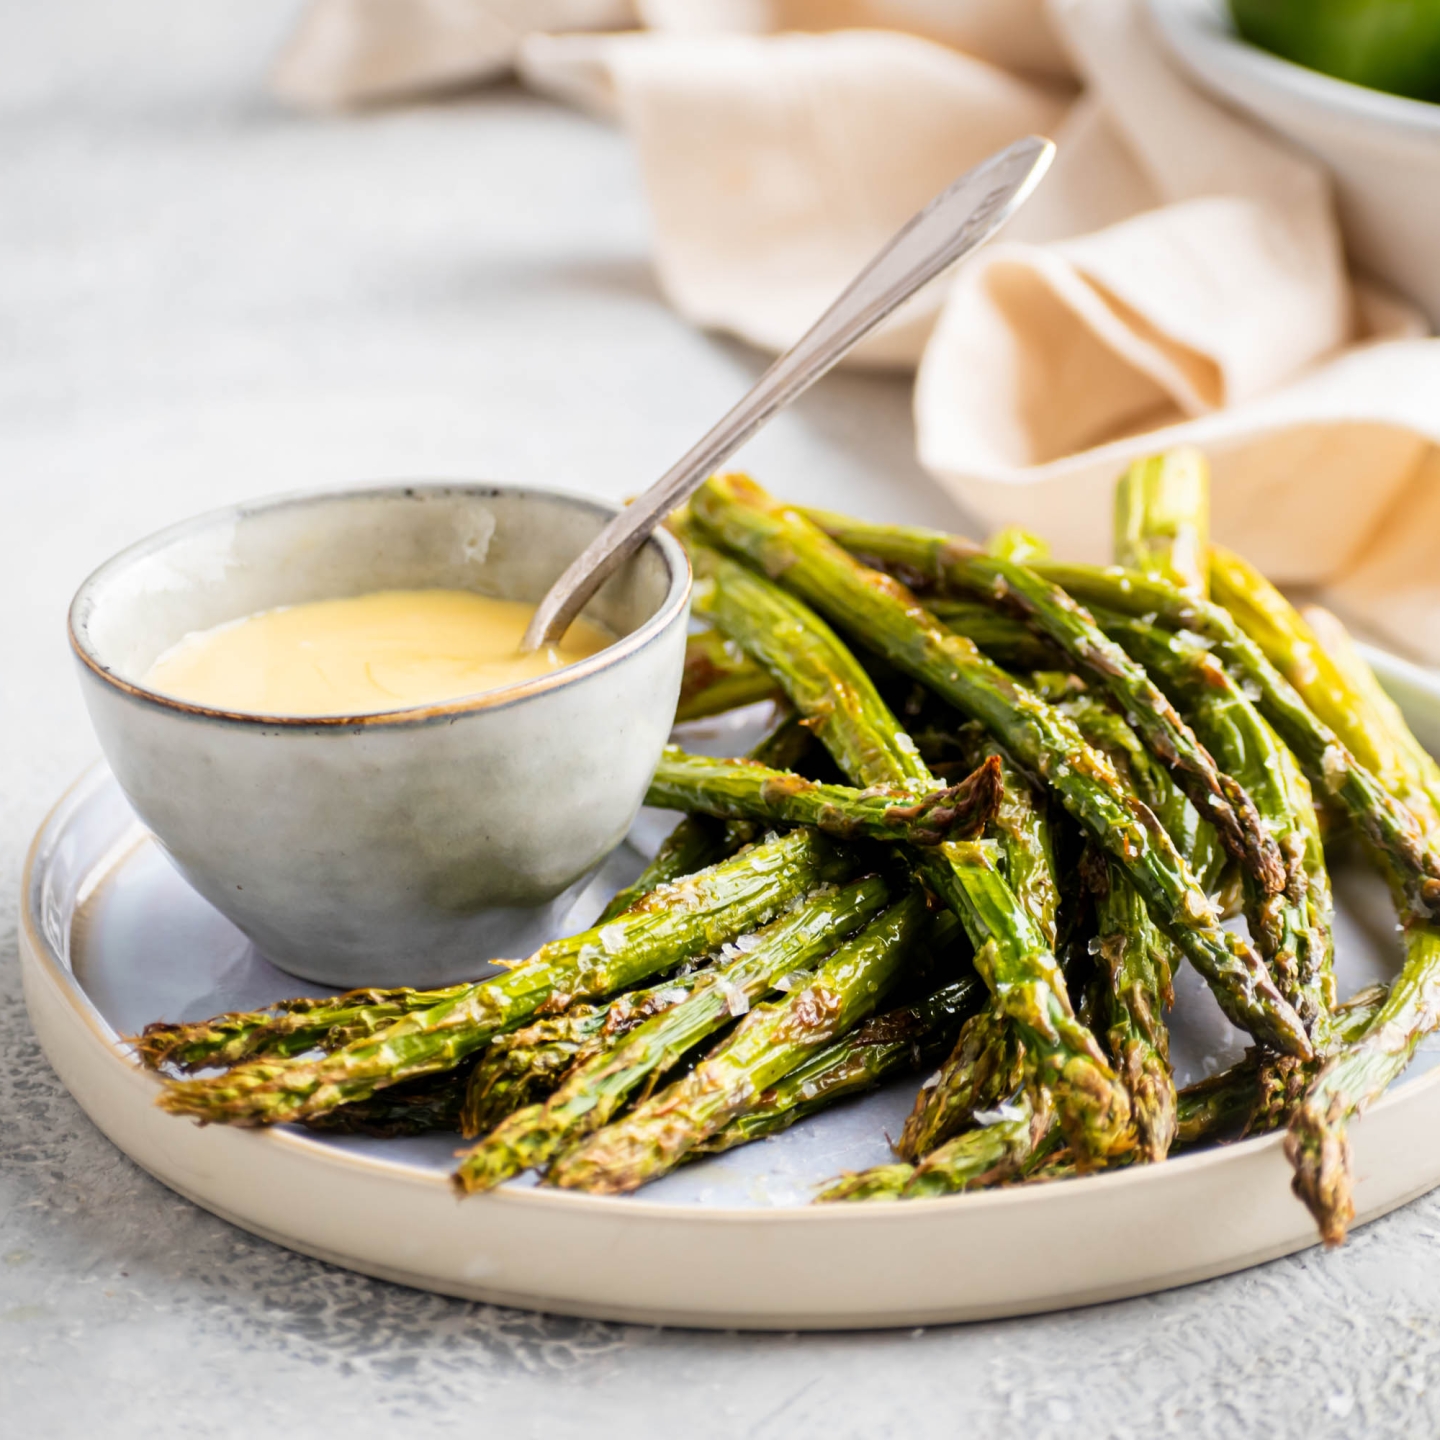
column 1383, row 150
column 407, row 847
column 112, row 938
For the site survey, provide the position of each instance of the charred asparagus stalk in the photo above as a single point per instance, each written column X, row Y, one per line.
column 1238, row 1100
column 1334, row 682
column 828, row 687
column 744, row 789
column 1360, row 1072
column 290, row 1027
column 1135, row 961
column 1006, row 640
column 685, row 919
column 1392, row 833
column 950, row 562
column 1340, row 694
column 1191, row 835
column 697, row 841
column 1162, row 519
column 526, row 1065
column 771, row 1041
column 1008, row 1146
column 718, row 676
column 1041, row 739
column 594, row 1093
column 832, row 691
column 1293, row 928
column 1007, row 1139
column 989, row 1061
column 900, row 1040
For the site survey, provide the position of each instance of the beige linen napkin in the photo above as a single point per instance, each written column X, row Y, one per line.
column 777, row 166
column 1178, row 278
column 1014, row 34
column 357, row 52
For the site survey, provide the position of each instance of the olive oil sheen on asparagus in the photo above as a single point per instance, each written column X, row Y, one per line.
column 364, row 654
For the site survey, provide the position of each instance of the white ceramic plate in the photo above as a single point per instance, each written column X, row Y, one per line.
column 112, row 938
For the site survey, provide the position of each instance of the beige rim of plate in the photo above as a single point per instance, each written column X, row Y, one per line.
column 924, row 1262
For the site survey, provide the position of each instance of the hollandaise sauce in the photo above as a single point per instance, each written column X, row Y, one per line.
column 389, row 650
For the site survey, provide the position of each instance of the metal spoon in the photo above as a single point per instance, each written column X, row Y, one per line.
column 954, row 223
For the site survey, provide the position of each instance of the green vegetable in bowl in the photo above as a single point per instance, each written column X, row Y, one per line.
column 1391, row 45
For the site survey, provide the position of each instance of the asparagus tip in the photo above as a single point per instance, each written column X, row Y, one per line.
column 1152, row 1097
column 881, row 1182
column 1319, row 1149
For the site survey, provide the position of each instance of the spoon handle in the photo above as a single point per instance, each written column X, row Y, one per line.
column 958, row 220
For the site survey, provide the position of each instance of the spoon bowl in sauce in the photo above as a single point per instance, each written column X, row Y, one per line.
column 318, row 705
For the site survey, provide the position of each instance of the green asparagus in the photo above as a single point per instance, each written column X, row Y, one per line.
column 1334, row 682
column 771, row 1041
column 744, row 789
column 525, row 1065
column 947, row 561
column 996, row 1150
column 698, row 841
column 987, row 1048
column 718, row 676
column 1041, row 739
column 288, row 1028
column 1162, row 519
column 829, row 688
column 594, row 1093
column 1391, row 831
column 684, row 919
column 1135, row 962
column 1293, row 928
column 902, row 1039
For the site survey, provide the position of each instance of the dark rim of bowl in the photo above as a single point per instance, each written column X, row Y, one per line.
column 677, row 563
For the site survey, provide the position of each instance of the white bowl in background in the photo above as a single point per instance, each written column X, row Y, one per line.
column 1383, row 150
column 413, row 846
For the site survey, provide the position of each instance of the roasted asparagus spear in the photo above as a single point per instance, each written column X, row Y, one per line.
column 525, row 1065
column 1394, row 836
column 594, row 1093
column 950, row 562
column 903, row 1039
column 697, row 841
column 1162, row 519
column 1038, row 736
column 290, row 1027
column 745, row 789
column 828, row 686
column 771, row 1041
column 718, row 676
column 687, row 918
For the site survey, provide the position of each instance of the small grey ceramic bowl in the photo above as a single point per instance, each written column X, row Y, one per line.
column 408, row 847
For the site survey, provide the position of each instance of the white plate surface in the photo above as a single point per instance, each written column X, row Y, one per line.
column 113, row 938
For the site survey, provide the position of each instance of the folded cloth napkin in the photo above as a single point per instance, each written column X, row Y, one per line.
column 1178, row 278
column 357, row 52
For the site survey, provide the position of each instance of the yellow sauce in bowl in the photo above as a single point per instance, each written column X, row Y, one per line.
column 389, row 650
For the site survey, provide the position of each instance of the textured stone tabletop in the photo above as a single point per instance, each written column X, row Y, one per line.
column 203, row 298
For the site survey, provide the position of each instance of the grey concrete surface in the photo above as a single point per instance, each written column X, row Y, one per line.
column 203, row 298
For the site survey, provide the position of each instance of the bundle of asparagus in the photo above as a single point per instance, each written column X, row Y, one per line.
column 1098, row 765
